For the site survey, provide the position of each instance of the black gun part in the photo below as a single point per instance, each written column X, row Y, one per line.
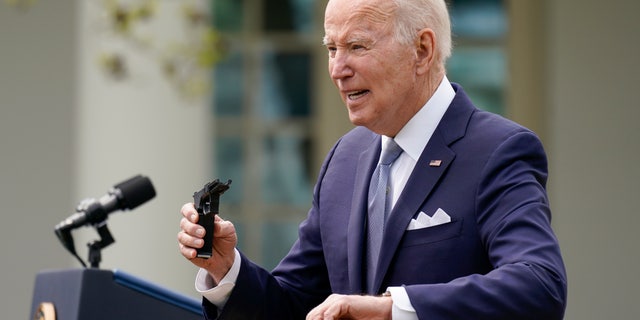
column 207, row 202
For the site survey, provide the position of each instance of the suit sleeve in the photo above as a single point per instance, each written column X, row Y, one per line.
column 528, row 279
column 292, row 289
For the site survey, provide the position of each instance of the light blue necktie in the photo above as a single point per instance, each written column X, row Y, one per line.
column 379, row 207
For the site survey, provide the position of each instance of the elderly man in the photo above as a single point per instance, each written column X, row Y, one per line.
column 455, row 224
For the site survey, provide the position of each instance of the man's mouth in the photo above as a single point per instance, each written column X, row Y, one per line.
column 357, row 94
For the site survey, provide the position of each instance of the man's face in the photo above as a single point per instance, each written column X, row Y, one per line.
column 374, row 74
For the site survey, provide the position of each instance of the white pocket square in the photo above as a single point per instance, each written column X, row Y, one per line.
column 424, row 221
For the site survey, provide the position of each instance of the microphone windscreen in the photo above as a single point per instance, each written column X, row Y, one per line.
column 135, row 191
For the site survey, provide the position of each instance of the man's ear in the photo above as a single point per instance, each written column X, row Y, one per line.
column 425, row 50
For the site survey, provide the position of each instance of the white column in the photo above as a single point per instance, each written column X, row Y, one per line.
column 139, row 124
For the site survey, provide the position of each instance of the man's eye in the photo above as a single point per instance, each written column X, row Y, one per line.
column 332, row 51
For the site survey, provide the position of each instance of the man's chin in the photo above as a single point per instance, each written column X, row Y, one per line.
column 356, row 120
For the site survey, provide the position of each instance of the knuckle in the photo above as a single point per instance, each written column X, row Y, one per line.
column 187, row 209
column 182, row 238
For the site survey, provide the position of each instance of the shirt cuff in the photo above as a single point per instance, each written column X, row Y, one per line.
column 218, row 294
column 402, row 308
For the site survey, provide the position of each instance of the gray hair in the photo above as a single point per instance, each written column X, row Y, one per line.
column 413, row 15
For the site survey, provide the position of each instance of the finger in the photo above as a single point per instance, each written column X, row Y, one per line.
column 192, row 229
column 186, row 240
column 187, row 252
column 315, row 313
column 222, row 227
column 189, row 211
column 322, row 311
column 334, row 310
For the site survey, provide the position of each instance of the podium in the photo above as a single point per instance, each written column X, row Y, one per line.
column 96, row 294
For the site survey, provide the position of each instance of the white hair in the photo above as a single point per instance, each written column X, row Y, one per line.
column 414, row 15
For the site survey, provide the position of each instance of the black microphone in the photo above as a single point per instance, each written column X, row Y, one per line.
column 126, row 195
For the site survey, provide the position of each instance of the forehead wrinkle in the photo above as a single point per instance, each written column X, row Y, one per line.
column 370, row 15
column 380, row 14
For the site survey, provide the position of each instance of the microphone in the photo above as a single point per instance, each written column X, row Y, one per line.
column 125, row 195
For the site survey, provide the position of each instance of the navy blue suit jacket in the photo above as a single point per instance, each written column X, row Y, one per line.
column 498, row 258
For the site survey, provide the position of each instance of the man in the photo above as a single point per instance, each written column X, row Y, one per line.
column 466, row 229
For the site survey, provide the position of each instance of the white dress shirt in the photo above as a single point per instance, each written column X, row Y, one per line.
column 412, row 138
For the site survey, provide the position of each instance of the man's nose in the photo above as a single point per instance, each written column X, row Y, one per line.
column 339, row 66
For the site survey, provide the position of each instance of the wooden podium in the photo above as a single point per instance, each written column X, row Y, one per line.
column 95, row 294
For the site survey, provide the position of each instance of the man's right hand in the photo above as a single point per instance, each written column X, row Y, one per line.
column 191, row 237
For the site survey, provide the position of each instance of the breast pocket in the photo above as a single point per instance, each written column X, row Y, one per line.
column 437, row 233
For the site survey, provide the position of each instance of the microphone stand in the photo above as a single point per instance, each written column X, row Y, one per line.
column 95, row 247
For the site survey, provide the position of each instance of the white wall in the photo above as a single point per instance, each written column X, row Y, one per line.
column 37, row 84
column 140, row 124
column 595, row 151
column 68, row 132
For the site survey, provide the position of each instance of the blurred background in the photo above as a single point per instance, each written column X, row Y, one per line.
column 93, row 92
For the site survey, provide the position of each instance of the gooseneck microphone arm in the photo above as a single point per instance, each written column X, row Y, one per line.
column 124, row 196
column 67, row 241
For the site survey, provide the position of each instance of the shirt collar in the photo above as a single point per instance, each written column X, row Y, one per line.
column 415, row 135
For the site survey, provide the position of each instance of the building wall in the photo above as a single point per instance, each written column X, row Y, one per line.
column 37, row 86
column 573, row 72
column 594, row 151
column 68, row 132
column 140, row 123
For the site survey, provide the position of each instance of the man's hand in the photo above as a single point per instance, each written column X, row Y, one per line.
column 338, row 306
column 191, row 237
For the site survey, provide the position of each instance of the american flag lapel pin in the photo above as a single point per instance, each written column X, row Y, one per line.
column 435, row 163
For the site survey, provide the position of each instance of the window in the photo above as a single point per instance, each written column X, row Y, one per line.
column 479, row 59
column 262, row 103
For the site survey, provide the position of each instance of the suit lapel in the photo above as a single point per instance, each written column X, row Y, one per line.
column 424, row 177
column 420, row 184
column 357, row 221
